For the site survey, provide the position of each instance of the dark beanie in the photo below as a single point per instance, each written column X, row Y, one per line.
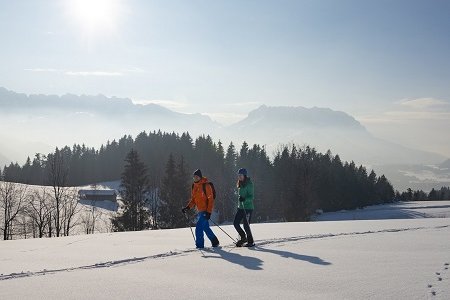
column 242, row 171
column 198, row 173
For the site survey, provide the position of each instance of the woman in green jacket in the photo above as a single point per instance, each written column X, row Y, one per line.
column 245, row 209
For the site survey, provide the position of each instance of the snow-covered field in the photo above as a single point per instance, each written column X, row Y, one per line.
column 399, row 210
column 364, row 259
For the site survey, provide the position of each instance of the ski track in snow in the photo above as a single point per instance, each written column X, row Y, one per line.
column 259, row 243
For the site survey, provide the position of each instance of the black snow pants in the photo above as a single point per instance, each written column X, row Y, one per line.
column 240, row 215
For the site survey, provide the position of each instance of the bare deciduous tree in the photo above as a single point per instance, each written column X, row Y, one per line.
column 89, row 219
column 39, row 210
column 12, row 198
column 57, row 178
column 70, row 209
column 24, row 225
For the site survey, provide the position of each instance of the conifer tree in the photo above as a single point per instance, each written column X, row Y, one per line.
column 135, row 215
column 226, row 202
column 174, row 194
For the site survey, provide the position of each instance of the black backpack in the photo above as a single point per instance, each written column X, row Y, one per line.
column 204, row 188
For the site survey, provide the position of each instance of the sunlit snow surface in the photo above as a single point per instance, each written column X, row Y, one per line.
column 357, row 259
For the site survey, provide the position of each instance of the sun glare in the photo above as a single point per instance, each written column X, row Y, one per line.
column 94, row 16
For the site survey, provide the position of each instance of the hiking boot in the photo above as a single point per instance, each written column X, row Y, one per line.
column 241, row 242
column 250, row 244
column 215, row 242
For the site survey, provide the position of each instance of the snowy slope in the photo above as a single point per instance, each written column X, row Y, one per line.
column 377, row 259
column 399, row 210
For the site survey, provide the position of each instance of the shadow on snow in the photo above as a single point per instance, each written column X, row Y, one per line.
column 254, row 263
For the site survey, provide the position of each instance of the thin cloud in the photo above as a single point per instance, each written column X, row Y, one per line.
column 93, row 73
column 424, row 103
column 84, row 114
column 135, row 70
column 87, row 73
column 402, row 117
column 424, row 109
column 418, row 115
column 43, row 70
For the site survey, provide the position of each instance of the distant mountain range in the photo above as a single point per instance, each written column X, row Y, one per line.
column 38, row 123
column 326, row 129
column 119, row 109
column 291, row 119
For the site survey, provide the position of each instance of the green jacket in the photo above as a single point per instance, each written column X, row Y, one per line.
column 246, row 190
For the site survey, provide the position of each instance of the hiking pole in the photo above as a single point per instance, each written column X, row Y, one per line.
column 189, row 224
column 223, row 231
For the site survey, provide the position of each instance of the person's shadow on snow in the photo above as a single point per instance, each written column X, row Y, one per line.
column 249, row 262
column 286, row 254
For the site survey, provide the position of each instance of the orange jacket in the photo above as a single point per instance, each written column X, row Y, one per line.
column 198, row 197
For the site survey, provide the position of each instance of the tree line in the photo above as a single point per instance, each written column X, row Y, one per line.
column 434, row 195
column 291, row 186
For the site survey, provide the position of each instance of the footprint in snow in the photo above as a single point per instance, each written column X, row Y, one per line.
column 437, row 273
column 440, row 278
column 430, row 286
column 433, row 293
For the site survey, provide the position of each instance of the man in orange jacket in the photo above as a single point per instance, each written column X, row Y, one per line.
column 202, row 197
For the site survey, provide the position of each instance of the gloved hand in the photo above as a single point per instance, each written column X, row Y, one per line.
column 241, row 199
column 207, row 215
column 185, row 209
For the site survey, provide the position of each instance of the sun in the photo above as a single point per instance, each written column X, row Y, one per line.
column 94, row 17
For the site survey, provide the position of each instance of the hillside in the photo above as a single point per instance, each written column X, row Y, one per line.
column 380, row 259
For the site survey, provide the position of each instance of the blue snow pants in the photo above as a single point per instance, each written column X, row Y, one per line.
column 203, row 226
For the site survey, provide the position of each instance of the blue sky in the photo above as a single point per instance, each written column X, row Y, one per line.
column 384, row 62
